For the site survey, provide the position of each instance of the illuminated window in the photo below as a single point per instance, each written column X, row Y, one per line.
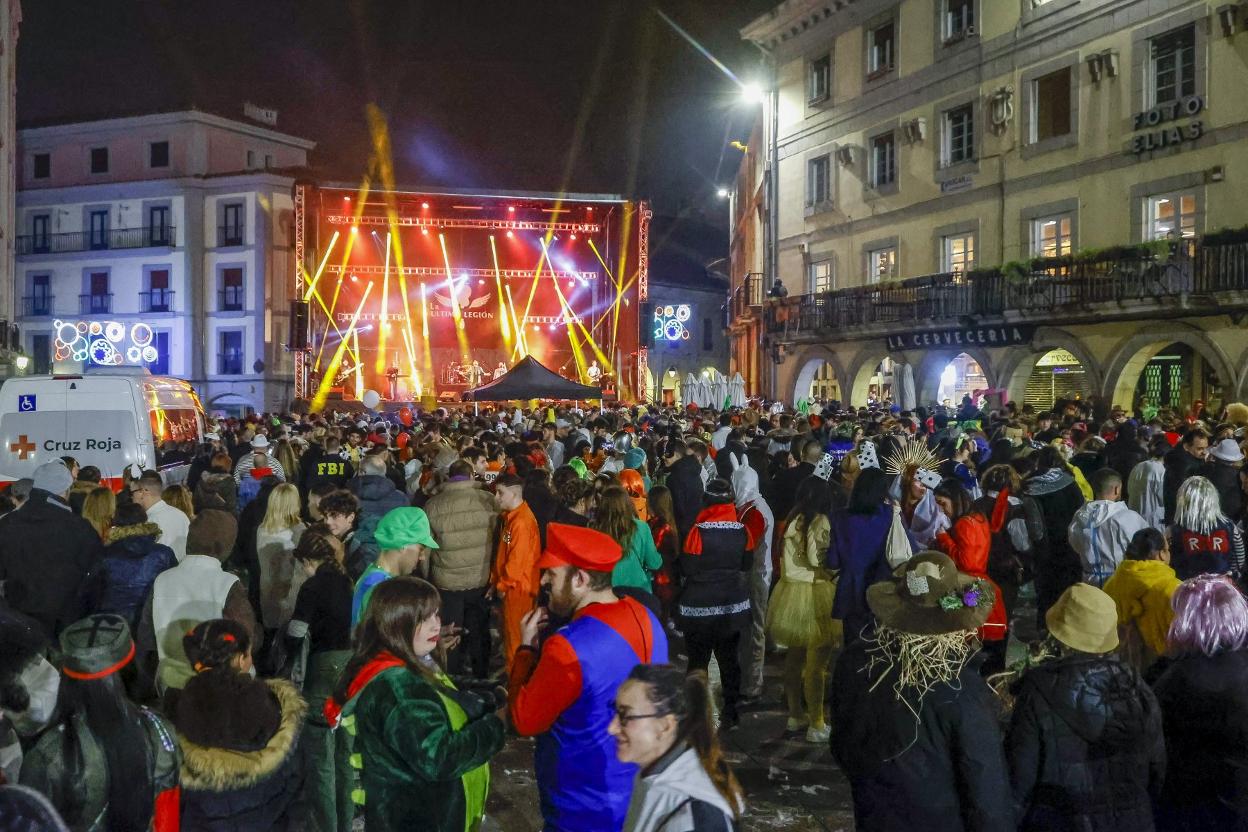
column 1172, row 66
column 821, row 276
column 959, row 135
column 1171, row 216
column 958, row 253
column 230, row 352
column 1051, row 236
column 882, row 264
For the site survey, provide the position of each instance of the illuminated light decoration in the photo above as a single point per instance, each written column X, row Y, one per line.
column 669, row 322
column 141, row 334
column 464, row 222
column 134, row 354
column 114, row 331
column 104, row 343
column 506, row 274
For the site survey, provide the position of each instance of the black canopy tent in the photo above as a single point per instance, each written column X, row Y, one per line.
column 530, row 380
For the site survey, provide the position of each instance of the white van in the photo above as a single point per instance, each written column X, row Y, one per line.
column 109, row 419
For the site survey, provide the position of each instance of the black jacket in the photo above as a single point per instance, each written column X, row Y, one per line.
column 714, row 597
column 1204, row 708
column 684, row 480
column 1225, row 479
column 1085, row 747
column 49, row 562
column 1179, row 466
column 1122, row 455
column 945, row 773
column 784, row 487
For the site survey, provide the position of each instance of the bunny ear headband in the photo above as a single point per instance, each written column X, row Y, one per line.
column 915, row 452
column 135, row 471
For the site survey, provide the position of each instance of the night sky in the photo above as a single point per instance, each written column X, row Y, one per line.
column 586, row 96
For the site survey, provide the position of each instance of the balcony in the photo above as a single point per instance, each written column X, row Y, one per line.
column 747, row 297
column 95, row 304
column 37, row 306
column 121, row 238
column 230, row 235
column 1120, row 283
column 230, row 299
column 157, row 300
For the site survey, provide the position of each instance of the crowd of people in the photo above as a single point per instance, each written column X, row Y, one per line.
column 996, row 619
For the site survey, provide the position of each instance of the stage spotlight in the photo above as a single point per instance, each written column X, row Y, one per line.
column 424, row 205
column 355, row 229
column 511, row 209
column 354, row 279
column 425, row 231
column 571, row 284
column 590, row 209
column 481, row 282
column 573, row 237
column 346, row 199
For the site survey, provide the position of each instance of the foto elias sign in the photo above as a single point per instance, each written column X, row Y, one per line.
column 1186, row 107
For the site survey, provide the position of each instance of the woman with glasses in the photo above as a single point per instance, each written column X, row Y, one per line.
column 663, row 724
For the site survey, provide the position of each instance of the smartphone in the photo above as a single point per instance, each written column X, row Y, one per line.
column 543, row 597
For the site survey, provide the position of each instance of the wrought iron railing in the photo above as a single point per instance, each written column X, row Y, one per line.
column 156, row 300
column 142, row 237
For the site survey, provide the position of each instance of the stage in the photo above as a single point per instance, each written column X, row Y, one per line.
column 407, row 290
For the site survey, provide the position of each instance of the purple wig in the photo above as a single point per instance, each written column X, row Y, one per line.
column 1210, row 616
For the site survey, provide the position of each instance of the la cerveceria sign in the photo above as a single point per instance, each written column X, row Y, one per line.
column 1005, row 335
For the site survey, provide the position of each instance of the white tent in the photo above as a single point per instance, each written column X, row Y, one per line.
column 688, row 390
column 736, row 391
column 702, row 392
column 906, row 398
column 719, row 390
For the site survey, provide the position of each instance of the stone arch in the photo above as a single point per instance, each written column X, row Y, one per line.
column 866, row 362
column 1016, row 367
column 927, row 373
column 1122, row 371
column 807, row 362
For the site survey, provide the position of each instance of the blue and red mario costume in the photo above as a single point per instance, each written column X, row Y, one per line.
column 563, row 694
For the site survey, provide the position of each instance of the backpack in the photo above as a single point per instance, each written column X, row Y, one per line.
column 249, row 488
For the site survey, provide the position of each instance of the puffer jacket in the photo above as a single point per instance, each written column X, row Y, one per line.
column 1204, row 706
column 377, row 495
column 224, row 790
column 968, row 544
column 132, row 560
column 216, row 490
column 463, row 519
column 1085, row 747
column 1225, row 478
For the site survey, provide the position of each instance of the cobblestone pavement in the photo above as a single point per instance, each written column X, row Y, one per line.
column 790, row 784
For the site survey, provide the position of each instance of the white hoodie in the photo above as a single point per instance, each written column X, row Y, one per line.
column 675, row 796
column 1100, row 532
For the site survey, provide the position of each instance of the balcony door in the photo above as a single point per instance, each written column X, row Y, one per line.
column 39, row 227
column 98, row 224
column 158, row 225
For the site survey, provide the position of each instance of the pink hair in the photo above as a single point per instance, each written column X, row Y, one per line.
column 1210, row 617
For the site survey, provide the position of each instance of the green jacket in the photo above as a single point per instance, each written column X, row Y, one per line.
column 425, row 753
column 641, row 560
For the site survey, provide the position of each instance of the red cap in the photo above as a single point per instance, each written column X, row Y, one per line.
column 580, row 547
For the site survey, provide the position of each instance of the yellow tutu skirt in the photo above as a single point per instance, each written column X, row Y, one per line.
column 799, row 614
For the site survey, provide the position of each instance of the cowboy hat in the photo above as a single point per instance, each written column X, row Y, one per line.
column 928, row 596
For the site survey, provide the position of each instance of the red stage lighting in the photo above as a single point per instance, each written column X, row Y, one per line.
column 424, row 205
column 346, row 199
column 573, row 236
column 509, row 234
column 425, row 231
column 511, row 209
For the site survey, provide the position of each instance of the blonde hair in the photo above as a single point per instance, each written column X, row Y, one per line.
column 179, row 496
column 285, row 454
column 283, row 510
column 98, row 509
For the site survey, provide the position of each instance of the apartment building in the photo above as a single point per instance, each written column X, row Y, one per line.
column 163, row 240
column 1033, row 197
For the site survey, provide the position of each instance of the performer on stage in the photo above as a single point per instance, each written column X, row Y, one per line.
column 594, row 372
column 476, row 374
column 500, row 370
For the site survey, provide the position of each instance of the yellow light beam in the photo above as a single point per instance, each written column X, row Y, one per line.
column 380, row 364
column 321, row 268
column 520, row 345
column 328, row 321
column 322, row 392
column 537, row 276
column 424, row 315
column 502, row 302
column 332, row 323
column 359, row 366
column 456, row 313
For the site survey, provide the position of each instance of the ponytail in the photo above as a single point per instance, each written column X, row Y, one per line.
column 688, row 698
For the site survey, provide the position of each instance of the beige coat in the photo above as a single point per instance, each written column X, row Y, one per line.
column 463, row 519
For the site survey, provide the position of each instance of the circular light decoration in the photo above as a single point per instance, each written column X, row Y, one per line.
column 672, row 329
column 683, row 312
column 149, row 354
column 669, row 322
column 141, row 334
column 82, row 326
column 134, row 354
column 114, row 331
column 102, row 351
column 95, row 328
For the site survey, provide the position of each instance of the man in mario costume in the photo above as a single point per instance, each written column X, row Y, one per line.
column 562, row 692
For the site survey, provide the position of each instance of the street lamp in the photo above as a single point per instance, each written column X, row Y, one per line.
column 753, row 93
column 722, row 193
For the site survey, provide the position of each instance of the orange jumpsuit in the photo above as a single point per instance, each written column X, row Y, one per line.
column 515, row 576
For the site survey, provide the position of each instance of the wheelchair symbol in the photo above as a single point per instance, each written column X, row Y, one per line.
column 26, row 404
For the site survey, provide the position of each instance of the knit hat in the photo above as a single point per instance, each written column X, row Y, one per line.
column 928, row 596
column 212, row 532
column 1084, row 619
column 95, row 647
column 635, row 458
column 53, row 477
column 404, row 526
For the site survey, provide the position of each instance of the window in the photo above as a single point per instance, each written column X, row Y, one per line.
column 40, row 301
column 268, row 160
column 42, row 164
column 1172, row 66
column 820, row 76
column 818, row 171
column 959, row 135
column 158, row 225
column 708, row 335
column 883, row 160
column 251, row 159
column 230, row 352
column 97, row 300
column 160, row 367
column 1050, row 105
column 232, row 224
column 97, row 222
column 232, row 290
column 99, row 160
column 1171, row 216
column 39, row 240
column 881, row 264
column 959, row 19
column 821, row 276
column 158, row 154
column 159, row 297
column 881, row 49
column 957, row 253
column 1051, row 236
column 41, row 353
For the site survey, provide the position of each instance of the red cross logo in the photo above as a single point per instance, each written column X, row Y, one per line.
column 23, row 447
